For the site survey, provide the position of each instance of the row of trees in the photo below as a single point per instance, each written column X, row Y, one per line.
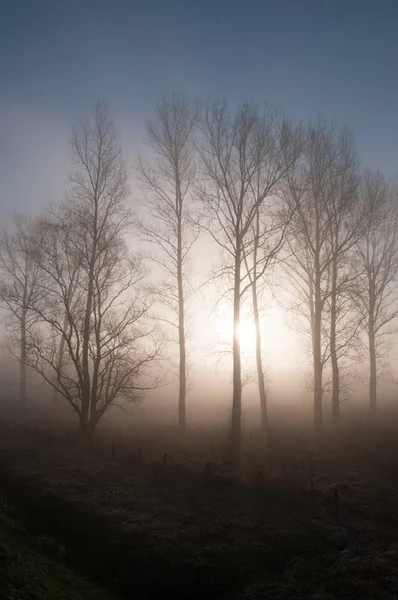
column 267, row 191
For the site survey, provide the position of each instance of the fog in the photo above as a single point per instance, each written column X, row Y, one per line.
column 41, row 142
column 214, row 337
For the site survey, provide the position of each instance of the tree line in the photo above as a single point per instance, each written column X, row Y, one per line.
column 83, row 313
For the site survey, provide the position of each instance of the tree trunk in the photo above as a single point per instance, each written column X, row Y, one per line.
column 183, row 359
column 95, row 372
column 182, row 419
column 333, row 351
column 256, row 317
column 86, row 391
column 259, row 363
column 317, row 352
column 22, row 365
column 61, row 351
column 86, row 395
column 94, row 391
column 236, row 422
column 373, row 369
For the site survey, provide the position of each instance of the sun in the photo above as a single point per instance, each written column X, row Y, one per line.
column 280, row 346
column 247, row 335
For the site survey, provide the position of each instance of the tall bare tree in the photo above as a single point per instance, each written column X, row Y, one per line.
column 262, row 251
column 167, row 179
column 346, row 222
column 89, row 275
column 244, row 157
column 377, row 267
column 19, row 287
column 322, row 190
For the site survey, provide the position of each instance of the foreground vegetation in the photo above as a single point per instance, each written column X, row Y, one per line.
column 28, row 574
column 145, row 516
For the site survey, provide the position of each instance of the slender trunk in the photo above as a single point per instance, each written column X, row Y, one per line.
column 92, row 416
column 61, row 348
column 96, row 362
column 183, row 359
column 22, row 364
column 86, row 391
column 236, row 422
column 182, row 420
column 317, row 350
column 259, row 363
column 86, row 395
column 94, row 389
column 256, row 316
column 373, row 367
column 333, row 350
column 61, row 351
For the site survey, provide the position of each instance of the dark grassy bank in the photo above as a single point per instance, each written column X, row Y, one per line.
column 28, row 574
column 147, row 527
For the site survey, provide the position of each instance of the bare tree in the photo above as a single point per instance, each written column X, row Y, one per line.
column 19, row 287
column 244, row 157
column 167, row 179
column 376, row 256
column 89, row 276
column 344, row 329
column 261, row 252
column 322, row 190
column 346, row 223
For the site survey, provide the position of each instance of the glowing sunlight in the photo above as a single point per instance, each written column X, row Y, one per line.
column 247, row 336
column 280, row 344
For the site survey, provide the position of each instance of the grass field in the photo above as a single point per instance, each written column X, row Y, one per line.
column 320, row 525
column 28, row 574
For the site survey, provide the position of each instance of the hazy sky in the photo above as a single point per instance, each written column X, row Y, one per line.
column 337, row 58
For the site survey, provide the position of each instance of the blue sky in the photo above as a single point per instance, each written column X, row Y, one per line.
column 336, row 58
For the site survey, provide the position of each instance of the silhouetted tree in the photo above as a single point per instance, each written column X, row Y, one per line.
column 346, row 222
column 167, row 178
column 244, row 157
column 322, row 190
column 261, row 252
column 93, row 294
column 376, row 256
column 19, row 287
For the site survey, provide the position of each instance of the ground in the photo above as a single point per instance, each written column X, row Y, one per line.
column 149, row 518
column 28, row 574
